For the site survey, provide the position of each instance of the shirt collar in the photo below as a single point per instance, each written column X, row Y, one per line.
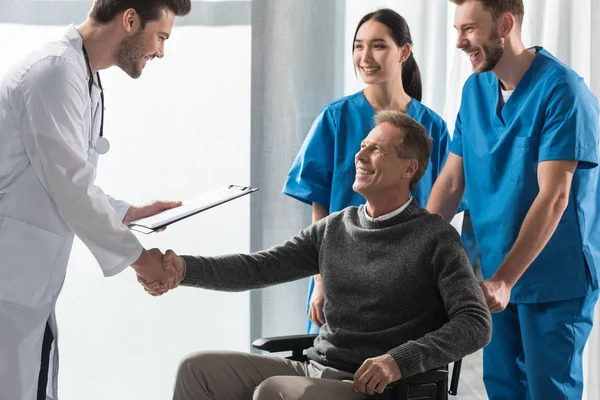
column 390, row 214
column 74, row 39
column 73, row 36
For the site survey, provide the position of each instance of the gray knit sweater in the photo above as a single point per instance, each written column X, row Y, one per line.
column 402, row 286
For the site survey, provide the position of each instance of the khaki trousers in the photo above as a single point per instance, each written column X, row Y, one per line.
column 222, row 375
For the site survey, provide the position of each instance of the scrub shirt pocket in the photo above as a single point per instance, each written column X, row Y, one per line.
column 27, row 258
column 523, row 160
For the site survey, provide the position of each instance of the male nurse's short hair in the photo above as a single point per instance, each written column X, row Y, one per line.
column 414, row 142
column 499, row 7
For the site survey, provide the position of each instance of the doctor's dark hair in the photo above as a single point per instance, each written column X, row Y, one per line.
column 104, row 11
column 400, row 33
column 414, row 142
column 499, row 7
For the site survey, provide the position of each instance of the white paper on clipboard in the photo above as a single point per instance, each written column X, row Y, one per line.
column 190, row 207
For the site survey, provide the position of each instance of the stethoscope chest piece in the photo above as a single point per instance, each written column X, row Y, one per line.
column 102, row 145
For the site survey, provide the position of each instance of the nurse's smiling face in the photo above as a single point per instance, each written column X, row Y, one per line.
column 379, row 168
column 478, row 36
column 376, row 56
column 145, row 44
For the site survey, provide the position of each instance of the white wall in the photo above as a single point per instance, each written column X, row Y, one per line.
column 181, row 129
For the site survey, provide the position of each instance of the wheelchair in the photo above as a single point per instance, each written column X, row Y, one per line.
column 429, row 385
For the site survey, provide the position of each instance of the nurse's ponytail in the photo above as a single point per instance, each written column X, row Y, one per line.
column 411, row 78
column 400, row 33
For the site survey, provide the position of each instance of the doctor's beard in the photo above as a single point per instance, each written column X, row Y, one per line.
column 129, row 55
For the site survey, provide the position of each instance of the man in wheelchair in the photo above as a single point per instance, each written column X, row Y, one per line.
column 400, row 294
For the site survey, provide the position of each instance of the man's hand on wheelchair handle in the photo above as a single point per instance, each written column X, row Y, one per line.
column 375, row 374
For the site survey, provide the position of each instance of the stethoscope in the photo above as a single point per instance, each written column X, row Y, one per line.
column 102, row 145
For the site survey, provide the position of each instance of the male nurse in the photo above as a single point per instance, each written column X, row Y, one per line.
column 525, row 149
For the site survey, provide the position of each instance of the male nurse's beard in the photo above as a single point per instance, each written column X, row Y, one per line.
column 129, row 55
column 492, row 52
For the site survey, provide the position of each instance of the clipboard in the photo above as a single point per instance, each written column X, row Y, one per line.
column 190, row 207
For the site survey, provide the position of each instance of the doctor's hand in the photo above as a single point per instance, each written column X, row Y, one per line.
column 497, row 294
column 171, row 262
column 317, row 300
column 375, row 374
column 148, row 210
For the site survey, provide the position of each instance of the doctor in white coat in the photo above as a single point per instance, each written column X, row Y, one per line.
column 51, row 115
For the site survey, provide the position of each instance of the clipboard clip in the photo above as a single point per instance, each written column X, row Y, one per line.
column 238, row 187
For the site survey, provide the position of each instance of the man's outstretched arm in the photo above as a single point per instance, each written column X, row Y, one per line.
column 295, row 259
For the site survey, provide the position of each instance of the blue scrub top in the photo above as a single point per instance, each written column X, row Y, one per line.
column 551, row 115
column 323, row 171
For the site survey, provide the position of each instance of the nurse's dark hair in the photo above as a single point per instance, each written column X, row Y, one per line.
column 414, row 142
column 104, row 11
column 400, row 33
column 499, row 7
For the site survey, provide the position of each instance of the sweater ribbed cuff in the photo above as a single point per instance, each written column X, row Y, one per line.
column 408, row 359
column 193, row 271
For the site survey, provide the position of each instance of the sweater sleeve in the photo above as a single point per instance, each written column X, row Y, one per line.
column 295, row 259
column 469, row 324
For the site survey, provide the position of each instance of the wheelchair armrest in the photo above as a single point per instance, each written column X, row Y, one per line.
column 455, row 377
column 284, row 343
column 434, row 375
column 430, row 382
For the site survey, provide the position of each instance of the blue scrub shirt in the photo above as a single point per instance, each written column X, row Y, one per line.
column 323, row 171
column 551, row 115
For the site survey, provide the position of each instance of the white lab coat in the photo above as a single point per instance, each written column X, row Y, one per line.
column 47, row 194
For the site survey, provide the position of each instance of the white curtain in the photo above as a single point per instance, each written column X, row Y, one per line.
column 292, row 78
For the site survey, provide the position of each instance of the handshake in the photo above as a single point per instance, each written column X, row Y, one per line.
column 159, row 273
